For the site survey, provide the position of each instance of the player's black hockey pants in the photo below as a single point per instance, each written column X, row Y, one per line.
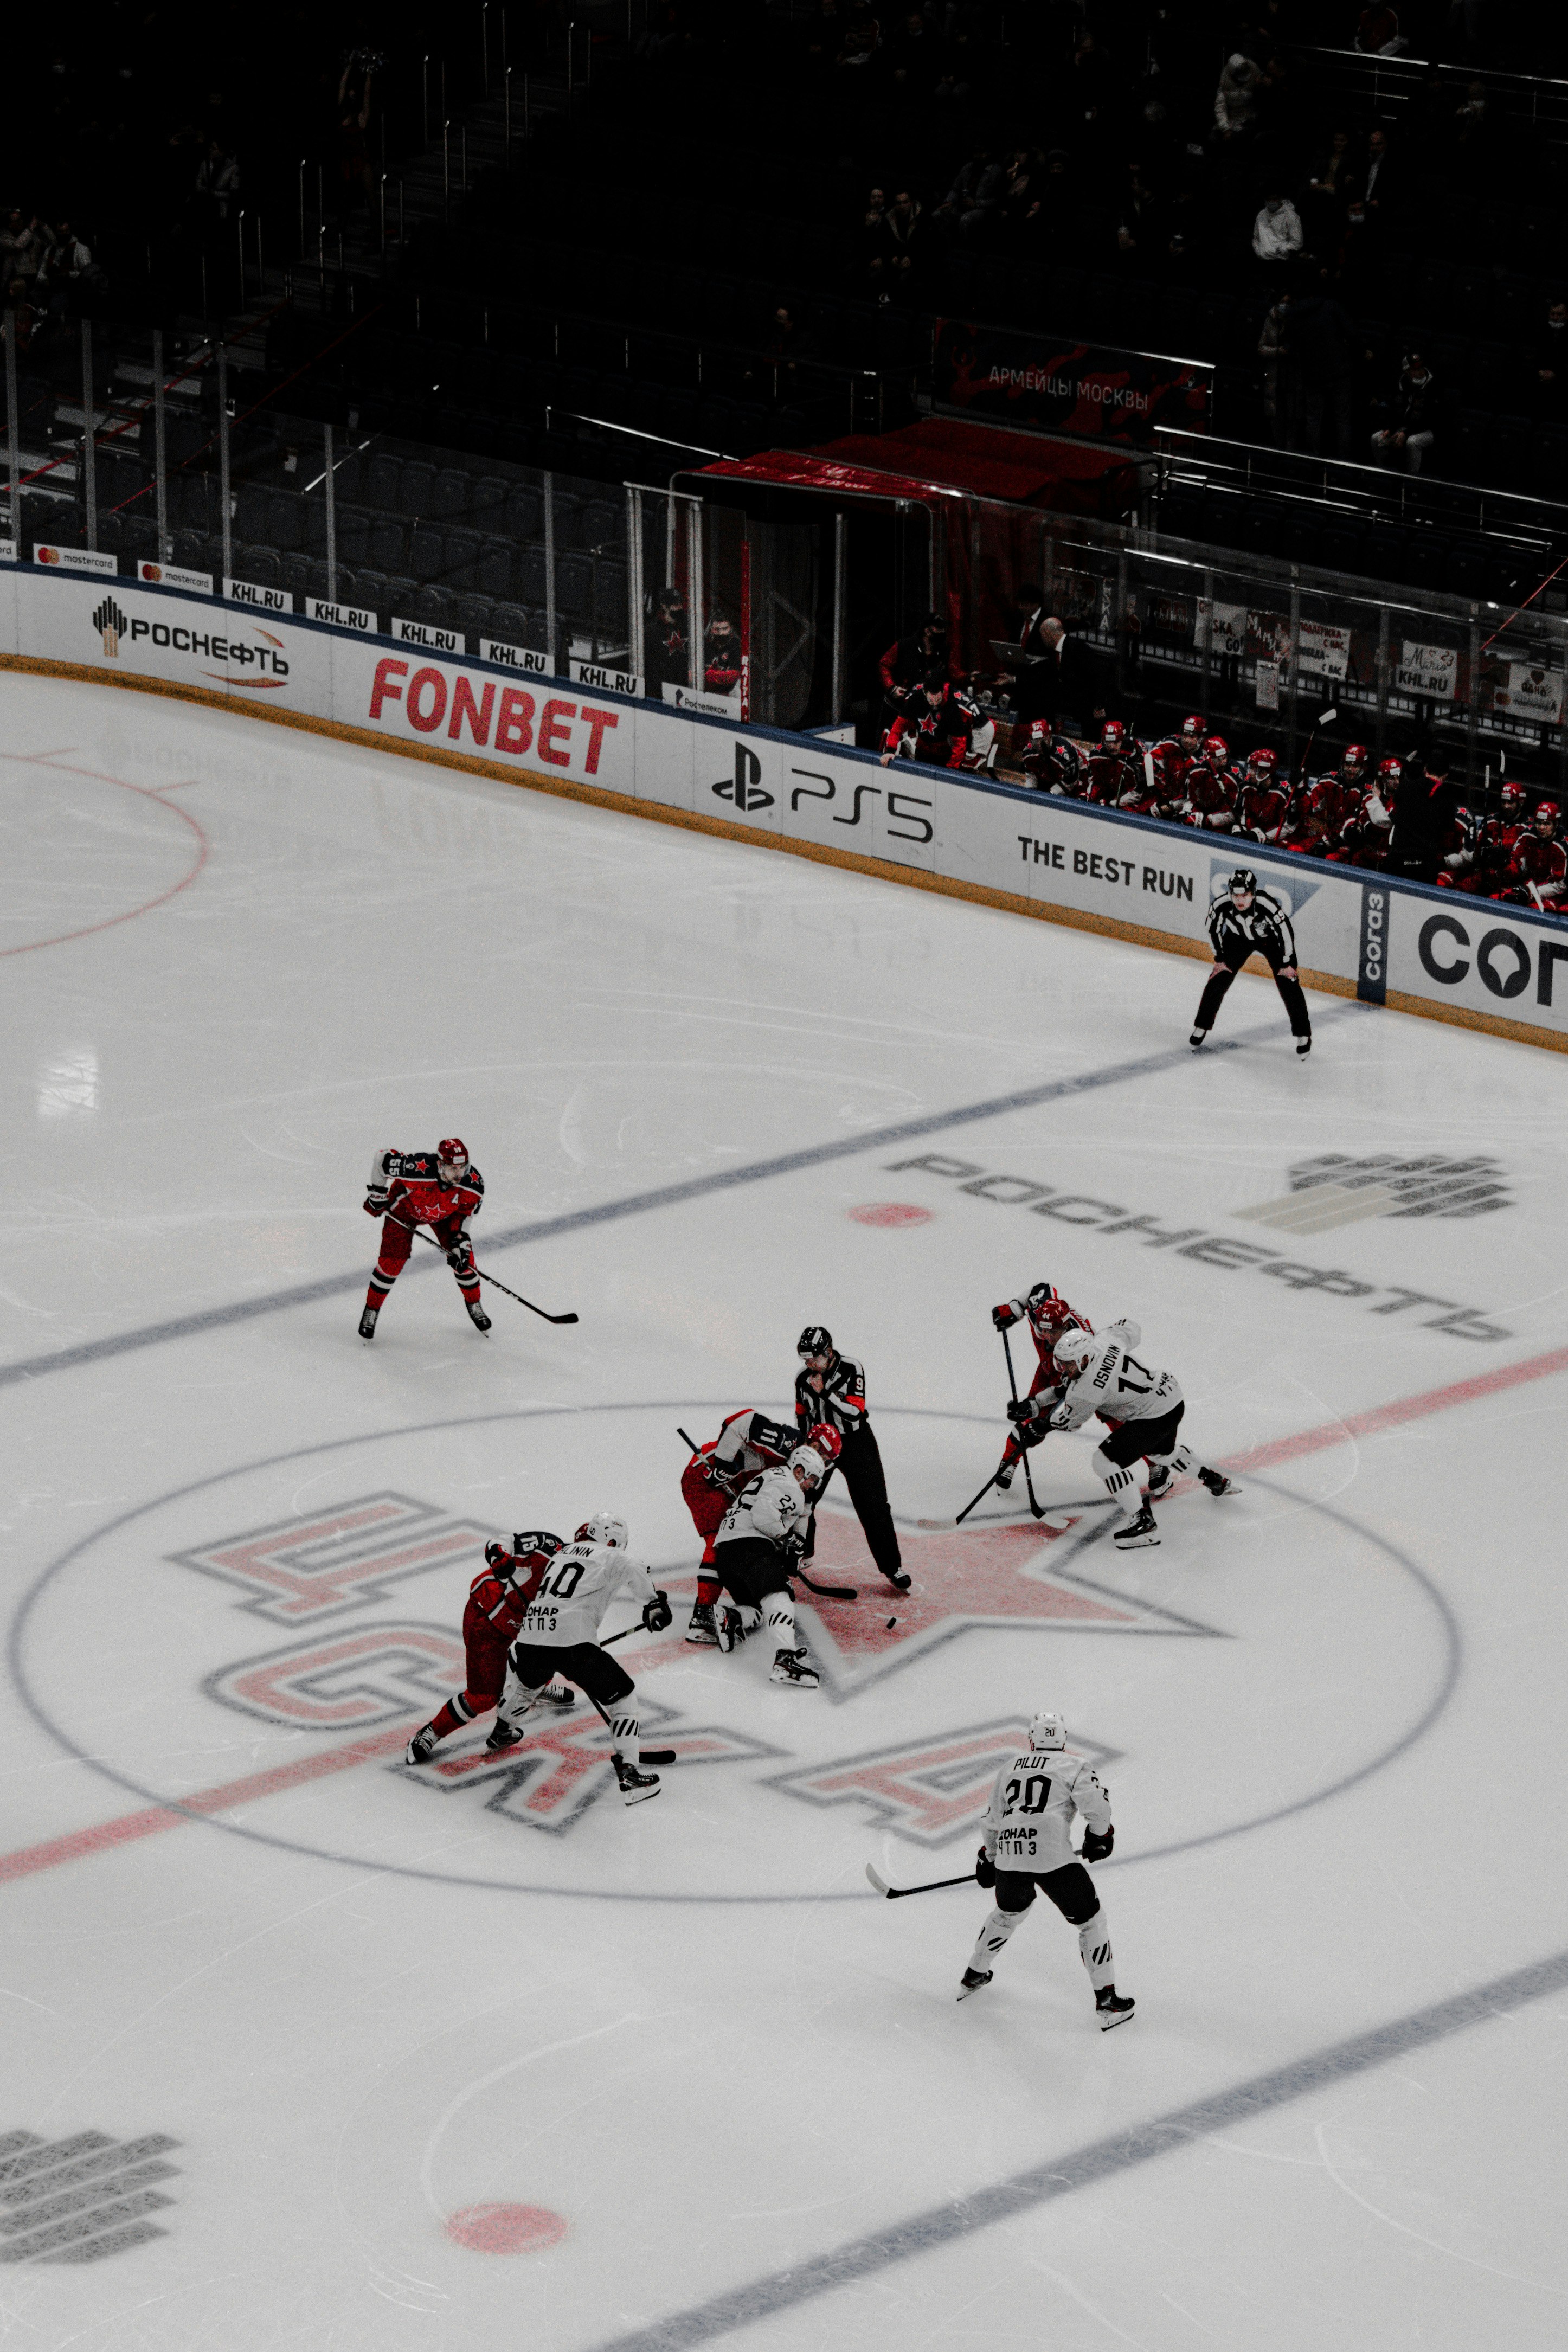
column 861, row 1464
column 1071, row 1889
column 749, row 1567
column 599, row 1677
column 1233, row 958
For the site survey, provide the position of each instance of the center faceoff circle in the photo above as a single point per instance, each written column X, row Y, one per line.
column 296, row 1618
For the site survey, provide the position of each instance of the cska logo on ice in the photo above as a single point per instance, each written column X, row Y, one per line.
column 359, row 1654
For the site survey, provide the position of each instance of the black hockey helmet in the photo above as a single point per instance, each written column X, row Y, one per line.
column 1244, row 878
column 814, row 1341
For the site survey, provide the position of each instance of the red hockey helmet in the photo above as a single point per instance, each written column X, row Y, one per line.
column 1217, row 750
column 1352, row 766
column 1191, row 732
column 1546, row 818
column 452, row 1152
column 823, row 1439
column 1263, row 765
column 1513, row 801
column 1113, row 736
column 1389, row 770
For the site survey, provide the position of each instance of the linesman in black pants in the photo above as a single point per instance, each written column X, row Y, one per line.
column 1244, row 920
column 832, row 1388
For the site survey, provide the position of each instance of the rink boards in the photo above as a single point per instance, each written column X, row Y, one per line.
column 1423, row 950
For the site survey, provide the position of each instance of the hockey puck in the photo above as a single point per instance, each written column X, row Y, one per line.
column 891, row 1622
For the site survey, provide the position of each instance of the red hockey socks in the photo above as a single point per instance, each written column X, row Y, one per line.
column 708, row 1589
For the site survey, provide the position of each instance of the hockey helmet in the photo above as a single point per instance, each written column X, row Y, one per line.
column 452, row 1152
column 1244, row 878
column 1191, row 732
column 823, row 1439
column 1263, row 765
column 815, row 1340
column 1217, row 750
column 1545, row 819
column 1166, row 754
column 1513, row 800
column 1073, row 1349
column 604, row 1527
column 1046, row 1731
column 1390, row 771
column 1113, row 736
column 1352, row 766
column 808, row 1465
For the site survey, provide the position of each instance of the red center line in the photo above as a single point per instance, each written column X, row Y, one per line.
column 153, row 1818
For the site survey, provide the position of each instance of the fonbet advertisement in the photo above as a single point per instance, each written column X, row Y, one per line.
column 1384, row 941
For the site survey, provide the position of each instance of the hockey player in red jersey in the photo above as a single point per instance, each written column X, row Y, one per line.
column 1538, row 864
column 1047, row 1315
column 1210, row 787
column 1263, row 802
column 498, row 1603
column 748, row 1443
column 938, row 722
column 1320, row 816
column 1365, row 841
column 1481, row 867
column 1115, row 765
column 439, row 1189
column 1053, row 763
column 1154, row 782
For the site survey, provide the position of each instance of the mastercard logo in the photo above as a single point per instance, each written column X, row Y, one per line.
column 48, row 554
column 152, row 572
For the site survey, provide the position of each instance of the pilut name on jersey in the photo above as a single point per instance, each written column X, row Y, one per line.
column 773, row 1506
column 578, row 1586
column 1114, row 1383
column 1028, row 1821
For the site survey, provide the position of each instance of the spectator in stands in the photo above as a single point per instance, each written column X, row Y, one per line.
column 1235, row 104
column 1377, row 33
column 217, row 182
column 1376, row 177
column 1277, row 234
column 1274, row 351
column 1548, row 374
column 1411, row 428
column 862, row 39
column 975, row 195
column 871, row 249
column 788, row 343
column 22, row 247
column 1329, row 185
column 1138, row 238
column 905, row 238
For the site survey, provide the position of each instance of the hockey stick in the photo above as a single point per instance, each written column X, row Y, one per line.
column 1022, row 1451
column 487, row 1278
column 823, row 1592
column 968, row 1507
column 929, row 1887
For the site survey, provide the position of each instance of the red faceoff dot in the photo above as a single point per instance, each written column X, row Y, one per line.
column 506, row 2229
column 891, row 1212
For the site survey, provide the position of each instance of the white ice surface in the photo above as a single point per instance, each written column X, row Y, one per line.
column 364, row 2000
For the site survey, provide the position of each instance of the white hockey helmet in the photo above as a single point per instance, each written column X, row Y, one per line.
column 1046, row 1731
column 604, row 1527
column 1074, row 1348
column 808, row 1465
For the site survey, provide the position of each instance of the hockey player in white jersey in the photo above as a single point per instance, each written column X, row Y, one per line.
column 1028, row 1842
column 1143, row 1407
column 560, row 1635
column 764, row 1533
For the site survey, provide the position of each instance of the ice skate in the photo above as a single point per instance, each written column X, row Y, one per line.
column 973, row 1978
column 702, row 1632
column 1161, row 1478
column 1138, row 1534
column 898, row 1577
column 1218, row 1484
column 793, row 1667
column 559, row 1695
column 1113, row 2008
column 422, row 1746
column 477, row 1316
column 636, row 1786
column 367, row 1322
column 503, row 1735
column 1004, row 1478
column 1199, row 1037
column 1304, row 1045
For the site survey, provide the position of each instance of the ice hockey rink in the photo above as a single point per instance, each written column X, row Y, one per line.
column 304, row 2049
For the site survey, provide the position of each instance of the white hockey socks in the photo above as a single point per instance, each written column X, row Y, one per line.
column 778, row 1611
column 993, row 1936
column 515, row 1700
column 1176, row 1465
column 1117, row 1477
column 1094, row 1943
column 623, row 1734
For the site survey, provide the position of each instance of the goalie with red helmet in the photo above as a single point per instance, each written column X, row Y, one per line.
column 497, row 1605
column 440, row 1188
column 748, row 1443
column 1047, row 1315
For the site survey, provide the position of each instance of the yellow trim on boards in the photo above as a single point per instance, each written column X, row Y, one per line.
column 1495, row 1025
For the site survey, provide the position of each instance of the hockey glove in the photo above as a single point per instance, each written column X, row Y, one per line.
column 657, row 1614
column 497, row 1556
column 1061, row 1418
column 1023, row 1411
column 460, row 1258
column 1096, row 1846
column 1004, row 1315
column 375, row 1205
column 984, row 1869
